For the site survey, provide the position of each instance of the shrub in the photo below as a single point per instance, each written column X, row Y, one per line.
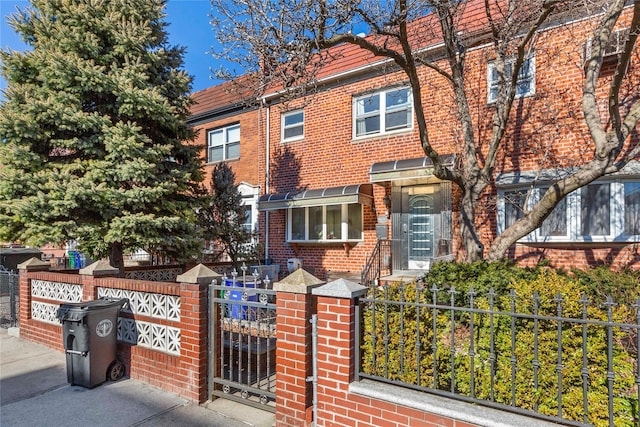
column 402, row 327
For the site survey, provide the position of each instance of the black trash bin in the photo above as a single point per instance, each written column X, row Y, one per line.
column 89, row 331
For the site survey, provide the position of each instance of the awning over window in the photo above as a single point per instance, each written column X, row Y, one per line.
column 406, row 169
column 359, row 193
column 520, row 178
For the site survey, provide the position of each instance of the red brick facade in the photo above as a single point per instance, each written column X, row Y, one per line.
column 546, row 132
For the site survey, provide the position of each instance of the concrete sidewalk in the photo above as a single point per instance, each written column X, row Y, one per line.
column 34, row 392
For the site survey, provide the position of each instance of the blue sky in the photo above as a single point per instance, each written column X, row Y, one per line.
column 189, row 27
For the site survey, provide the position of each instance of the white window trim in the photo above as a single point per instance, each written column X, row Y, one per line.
column 382, row 113
column 574, row 226
column 509, row 62
column 250, row 195
column 283, row 127
column 344, row 225
column 224, row 144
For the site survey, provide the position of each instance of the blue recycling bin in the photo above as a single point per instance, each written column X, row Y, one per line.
column 241, row 291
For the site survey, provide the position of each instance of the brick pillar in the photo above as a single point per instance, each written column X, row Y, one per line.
column 336, row 349
column 295, row 306
column 29, row 266
column 194, row 333
column 89, row 273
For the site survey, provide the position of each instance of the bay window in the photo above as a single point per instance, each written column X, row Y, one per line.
column 328, row 223
column 607, row 211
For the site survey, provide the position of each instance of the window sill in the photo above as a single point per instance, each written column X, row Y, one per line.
column 217, row 162
column 372, row 137
column 291, row 141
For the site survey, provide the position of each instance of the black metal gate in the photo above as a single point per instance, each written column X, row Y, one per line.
column 9, row 298
column 242, row 341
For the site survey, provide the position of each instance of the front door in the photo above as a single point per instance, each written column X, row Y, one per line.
column 421, row 225
column 420, row 230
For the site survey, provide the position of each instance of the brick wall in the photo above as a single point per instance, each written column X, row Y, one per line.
column 546, row 131
column 247, row 167
column 184, row 374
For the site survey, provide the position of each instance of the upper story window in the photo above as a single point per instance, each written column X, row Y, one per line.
column 382, row 112
column 223, row 144
column 292, row 125
column 598, row 212
column 526, row 84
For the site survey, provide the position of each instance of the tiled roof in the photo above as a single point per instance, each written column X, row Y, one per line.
column 424, row 32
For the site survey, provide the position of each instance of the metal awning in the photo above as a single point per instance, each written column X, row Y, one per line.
column 406, row 169
column 358, row 193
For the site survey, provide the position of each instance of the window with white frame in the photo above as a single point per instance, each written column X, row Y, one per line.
column 526, row 84
column 331, row 223
column 598, row 212
column 223, row 144
column 292, row 125
column 382, row 112
column 514, row 206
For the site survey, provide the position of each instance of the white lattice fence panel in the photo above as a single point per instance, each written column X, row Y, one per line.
column 164, row 275
column 44, row 312
column 64, row 292
column 148, row 334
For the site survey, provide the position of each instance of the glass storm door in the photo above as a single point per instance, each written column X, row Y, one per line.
column 420, row 230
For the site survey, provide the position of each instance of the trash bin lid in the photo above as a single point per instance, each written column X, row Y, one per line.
column 76, row 311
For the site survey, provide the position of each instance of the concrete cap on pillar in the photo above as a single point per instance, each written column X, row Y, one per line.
column 200, row 274
column 34, row 264
column 298, row 282
column 341, row 288
column 99, row 268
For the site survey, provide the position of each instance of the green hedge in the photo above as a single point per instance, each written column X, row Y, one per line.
column 393, row 351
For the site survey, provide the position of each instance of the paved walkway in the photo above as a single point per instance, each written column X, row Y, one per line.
column 34, row 392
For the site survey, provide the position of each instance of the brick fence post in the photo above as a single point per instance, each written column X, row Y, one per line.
column 89, row 273
column 25, row 268
column 336, row 350
column 194, row 334
column 295, row 306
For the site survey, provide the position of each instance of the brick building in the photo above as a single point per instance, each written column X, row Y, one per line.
column 231, row 131
column 344, row 169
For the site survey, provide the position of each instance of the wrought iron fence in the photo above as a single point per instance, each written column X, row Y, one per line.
column 9, row 298
column 564, row 359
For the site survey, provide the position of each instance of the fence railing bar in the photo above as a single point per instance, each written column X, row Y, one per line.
column 559, row 300
column 492, row 352
column 418, row 335
column 434, row 345
column 610, row 373
column 453, row 293
column 637, row 307
column 585, row 364
column 386, row 332
column 472, row 353
column 401, row 341
column 514, row 360
column 536, row 360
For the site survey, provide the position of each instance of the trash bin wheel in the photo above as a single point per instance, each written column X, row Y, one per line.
column 115, row 371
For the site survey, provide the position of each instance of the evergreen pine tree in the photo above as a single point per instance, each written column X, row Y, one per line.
column 223, row 217
column 92, row 129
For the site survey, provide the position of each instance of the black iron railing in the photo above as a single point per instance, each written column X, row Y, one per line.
column 566, row 359
column 379, row 263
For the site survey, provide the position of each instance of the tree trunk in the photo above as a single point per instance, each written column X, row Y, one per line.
column 116, row 258
column 470, row 241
